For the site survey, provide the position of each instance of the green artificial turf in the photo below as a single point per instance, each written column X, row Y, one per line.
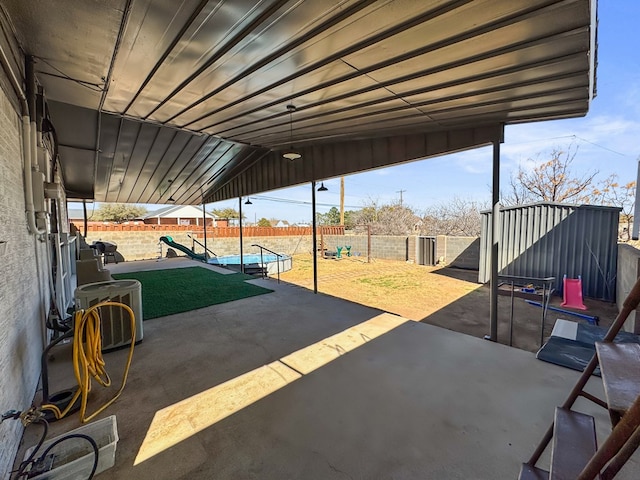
column 166, row 292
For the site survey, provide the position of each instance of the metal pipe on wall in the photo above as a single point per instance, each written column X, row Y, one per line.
column 30, row 145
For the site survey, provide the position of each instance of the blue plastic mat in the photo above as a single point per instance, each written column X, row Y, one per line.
column 575, row 353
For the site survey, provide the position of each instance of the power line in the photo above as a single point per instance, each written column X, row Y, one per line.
column 601, row 146
column 299, row 202
column 574, row 137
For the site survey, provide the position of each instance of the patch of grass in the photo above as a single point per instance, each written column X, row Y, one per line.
column 413, row 291
column 392, row 282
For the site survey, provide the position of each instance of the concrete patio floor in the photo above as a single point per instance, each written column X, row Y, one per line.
column 292, row 385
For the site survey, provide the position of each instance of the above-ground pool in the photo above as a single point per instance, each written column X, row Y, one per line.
column 254, row 260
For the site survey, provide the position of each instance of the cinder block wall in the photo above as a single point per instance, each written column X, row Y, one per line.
column 388, row 247
column 24, row 290
column 628, row 272
column 140, row 245
column 460, row 252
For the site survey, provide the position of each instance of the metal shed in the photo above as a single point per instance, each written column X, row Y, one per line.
column 550, row 239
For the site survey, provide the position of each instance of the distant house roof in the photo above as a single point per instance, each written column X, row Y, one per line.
column 171, row 211
column 177, row 211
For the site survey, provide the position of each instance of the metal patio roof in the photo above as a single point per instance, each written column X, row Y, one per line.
column 143, row 92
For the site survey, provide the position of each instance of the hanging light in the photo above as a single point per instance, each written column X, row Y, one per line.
column 291, row 154
column 322, row 188
column 170, row 199
column 248, row 202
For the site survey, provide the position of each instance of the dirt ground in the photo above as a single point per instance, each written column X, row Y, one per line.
column 447, row 297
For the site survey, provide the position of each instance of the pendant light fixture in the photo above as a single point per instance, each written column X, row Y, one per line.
column 291, row 154
column 322, row 188
column 248, row 202
column 170, row 199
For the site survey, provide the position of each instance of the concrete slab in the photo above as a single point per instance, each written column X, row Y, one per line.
column 304, row 386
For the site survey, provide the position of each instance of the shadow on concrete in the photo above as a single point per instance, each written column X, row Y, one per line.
column 470, row 315
column 464, row 274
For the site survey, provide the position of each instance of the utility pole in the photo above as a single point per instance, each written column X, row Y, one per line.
column 341, row 200
column 401, row 192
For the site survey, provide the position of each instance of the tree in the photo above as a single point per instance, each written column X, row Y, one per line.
column 119, row 212
column 387, row 219
column 549, row 181
column 263, row 222
column 225, row 213
column 457, row 216
column 610, row 192
column 332, row 217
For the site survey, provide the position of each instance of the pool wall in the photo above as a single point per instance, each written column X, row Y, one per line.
column 233, row 261
column 286, row 264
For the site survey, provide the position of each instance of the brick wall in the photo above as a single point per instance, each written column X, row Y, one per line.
column 23, row 288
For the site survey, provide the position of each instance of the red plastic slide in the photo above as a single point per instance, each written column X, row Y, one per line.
column 572, row 293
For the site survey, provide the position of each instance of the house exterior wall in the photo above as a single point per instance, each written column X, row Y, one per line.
column 24, row 289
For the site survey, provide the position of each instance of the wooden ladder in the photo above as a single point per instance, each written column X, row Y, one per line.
column 574, row 452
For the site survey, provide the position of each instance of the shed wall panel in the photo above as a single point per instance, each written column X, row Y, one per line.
column 547, row 239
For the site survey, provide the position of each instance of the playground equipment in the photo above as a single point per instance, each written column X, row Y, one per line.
column 196, row 256
column 572, row 293
column 593, row 320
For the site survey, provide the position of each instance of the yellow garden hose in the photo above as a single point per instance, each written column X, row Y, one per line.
column 87, row 359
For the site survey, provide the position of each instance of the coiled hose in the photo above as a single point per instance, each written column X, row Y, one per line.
column 88, row 361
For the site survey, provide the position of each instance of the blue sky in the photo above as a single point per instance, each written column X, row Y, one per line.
column 607, row 141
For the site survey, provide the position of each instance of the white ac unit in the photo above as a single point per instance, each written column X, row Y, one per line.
column 115, row 321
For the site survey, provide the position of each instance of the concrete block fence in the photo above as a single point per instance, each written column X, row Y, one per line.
column 143, row 243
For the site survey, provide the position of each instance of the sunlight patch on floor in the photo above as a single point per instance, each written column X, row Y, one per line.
column 179, row 421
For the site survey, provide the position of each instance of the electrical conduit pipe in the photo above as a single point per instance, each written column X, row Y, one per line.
column 27, row 151
column 29, row 141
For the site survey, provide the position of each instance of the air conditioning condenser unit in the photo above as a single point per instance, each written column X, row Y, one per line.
column 115, row 321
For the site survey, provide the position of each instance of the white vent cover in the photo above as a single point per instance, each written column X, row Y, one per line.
column 115, row 321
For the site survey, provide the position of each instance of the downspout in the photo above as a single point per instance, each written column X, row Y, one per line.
column 27, row 138
column 29, row 141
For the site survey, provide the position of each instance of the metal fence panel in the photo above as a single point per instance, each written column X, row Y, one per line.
column 426, row 251
column 548, row 239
